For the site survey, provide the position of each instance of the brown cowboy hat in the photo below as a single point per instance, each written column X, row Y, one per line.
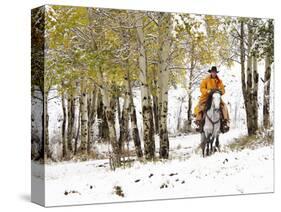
column 214, row 68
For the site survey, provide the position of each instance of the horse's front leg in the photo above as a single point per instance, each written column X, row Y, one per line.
column 211, row 144
column 217, row 143
column 208, row 145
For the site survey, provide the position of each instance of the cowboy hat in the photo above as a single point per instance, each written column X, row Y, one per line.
column 214, row 68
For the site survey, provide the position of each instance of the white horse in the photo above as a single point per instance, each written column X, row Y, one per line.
column 212, row 123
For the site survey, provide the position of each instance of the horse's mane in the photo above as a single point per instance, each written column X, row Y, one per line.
column 209, row 99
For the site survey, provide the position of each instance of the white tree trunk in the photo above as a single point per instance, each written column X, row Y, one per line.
column 147, row 113
column 133, row 115
column 70, row 122
column 242, row 61
column 114, row 157
column 189, row 108
column 84, row 119
column 77, row 117
column 92, row 110
column 124, row 122
column 266, row 97
column 45, row 127
column 134, row 126
column 249, row 91
column 255, row 94
column 165, row 43
column 129, row 111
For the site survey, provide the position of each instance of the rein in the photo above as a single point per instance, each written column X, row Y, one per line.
column 213, row 122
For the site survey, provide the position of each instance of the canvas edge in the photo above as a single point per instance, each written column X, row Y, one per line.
column 38, row 168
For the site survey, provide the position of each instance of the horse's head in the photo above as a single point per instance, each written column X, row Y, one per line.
column 214, row 100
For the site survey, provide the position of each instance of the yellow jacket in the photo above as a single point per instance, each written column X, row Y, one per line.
column 206, row 86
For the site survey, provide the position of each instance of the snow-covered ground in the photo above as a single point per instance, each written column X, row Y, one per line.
column 186, row 175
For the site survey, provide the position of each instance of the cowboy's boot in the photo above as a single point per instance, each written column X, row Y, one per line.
column 198, row 122
column 198, row 125
column 225, row 119
column 224, row 126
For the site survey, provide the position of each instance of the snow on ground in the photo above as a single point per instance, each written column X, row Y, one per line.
column 187, row 175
